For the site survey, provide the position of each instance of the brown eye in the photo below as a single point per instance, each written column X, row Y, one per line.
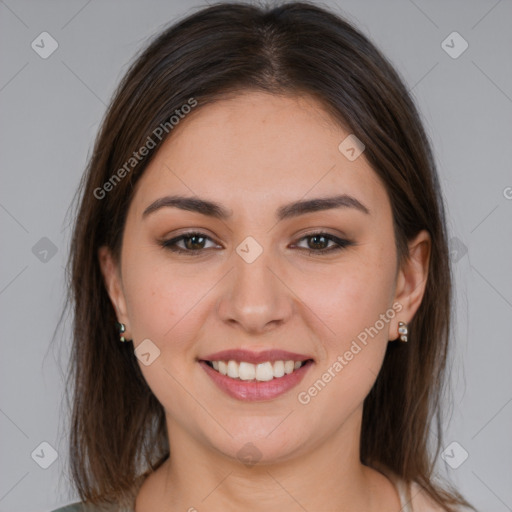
column 193, row 243
column 318, row 243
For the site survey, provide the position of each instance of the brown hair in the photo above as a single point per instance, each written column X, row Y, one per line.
column 118, row 430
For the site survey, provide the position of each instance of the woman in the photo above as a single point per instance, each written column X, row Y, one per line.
column 260, row 277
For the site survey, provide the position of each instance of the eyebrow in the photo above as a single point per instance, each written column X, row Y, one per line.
column 216, row 210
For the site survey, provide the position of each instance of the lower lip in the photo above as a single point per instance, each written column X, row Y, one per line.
column 252, row 391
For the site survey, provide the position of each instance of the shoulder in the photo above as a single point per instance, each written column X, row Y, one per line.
column 72, row 507
column 413, row 497
column 128, row 506
column 80, row 506
column 420, row 501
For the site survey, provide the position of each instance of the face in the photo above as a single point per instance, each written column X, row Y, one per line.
column 253, row 274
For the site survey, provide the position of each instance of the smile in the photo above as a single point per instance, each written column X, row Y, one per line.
column 252, row 382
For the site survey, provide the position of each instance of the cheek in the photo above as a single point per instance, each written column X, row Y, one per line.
column 354, row 302
column 149, row 303
column 161, row 299
column 164, row 306
column 352, row 357
column 350, row 299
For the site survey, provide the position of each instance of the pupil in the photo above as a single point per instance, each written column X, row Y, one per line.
column 316, row 237
column 190, row 241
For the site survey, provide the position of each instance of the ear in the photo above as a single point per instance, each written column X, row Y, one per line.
column 112, row 277
column 412, row 280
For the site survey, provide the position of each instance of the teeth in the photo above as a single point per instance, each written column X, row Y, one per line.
column 264, row 371
column 289, row 367
column 233, row 370
column 261, row 372
column 223, row 367
column 278, row 369
column 246, row 371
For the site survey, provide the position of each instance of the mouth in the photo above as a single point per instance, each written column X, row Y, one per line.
column 251, row 376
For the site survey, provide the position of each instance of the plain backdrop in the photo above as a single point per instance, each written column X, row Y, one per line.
column 50, row 111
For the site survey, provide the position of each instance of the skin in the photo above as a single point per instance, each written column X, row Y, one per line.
column 235, row 152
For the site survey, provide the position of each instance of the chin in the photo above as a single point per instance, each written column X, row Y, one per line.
column 260, row 445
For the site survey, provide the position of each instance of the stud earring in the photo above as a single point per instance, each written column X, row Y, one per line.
column 122, row 329
column 403, row 331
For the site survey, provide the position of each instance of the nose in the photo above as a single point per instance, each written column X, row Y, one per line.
column 255, row 298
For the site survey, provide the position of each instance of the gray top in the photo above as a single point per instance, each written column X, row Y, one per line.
column 82, row 507
column 405, row 502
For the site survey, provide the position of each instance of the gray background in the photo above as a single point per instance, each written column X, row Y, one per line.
column 50, row 110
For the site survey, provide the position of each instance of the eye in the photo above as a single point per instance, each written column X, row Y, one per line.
column 193, row 243
column 317, row 243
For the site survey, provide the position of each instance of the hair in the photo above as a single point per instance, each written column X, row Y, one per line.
column 118, row 430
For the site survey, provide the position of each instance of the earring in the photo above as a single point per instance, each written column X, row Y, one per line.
column 403, row 331
column 122, row 329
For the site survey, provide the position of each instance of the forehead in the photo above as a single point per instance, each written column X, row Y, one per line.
column 258, row 150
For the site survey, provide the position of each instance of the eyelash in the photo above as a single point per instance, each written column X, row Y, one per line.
column 341, row 244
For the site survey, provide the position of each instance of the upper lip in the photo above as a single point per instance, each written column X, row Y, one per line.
column 255, row 357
